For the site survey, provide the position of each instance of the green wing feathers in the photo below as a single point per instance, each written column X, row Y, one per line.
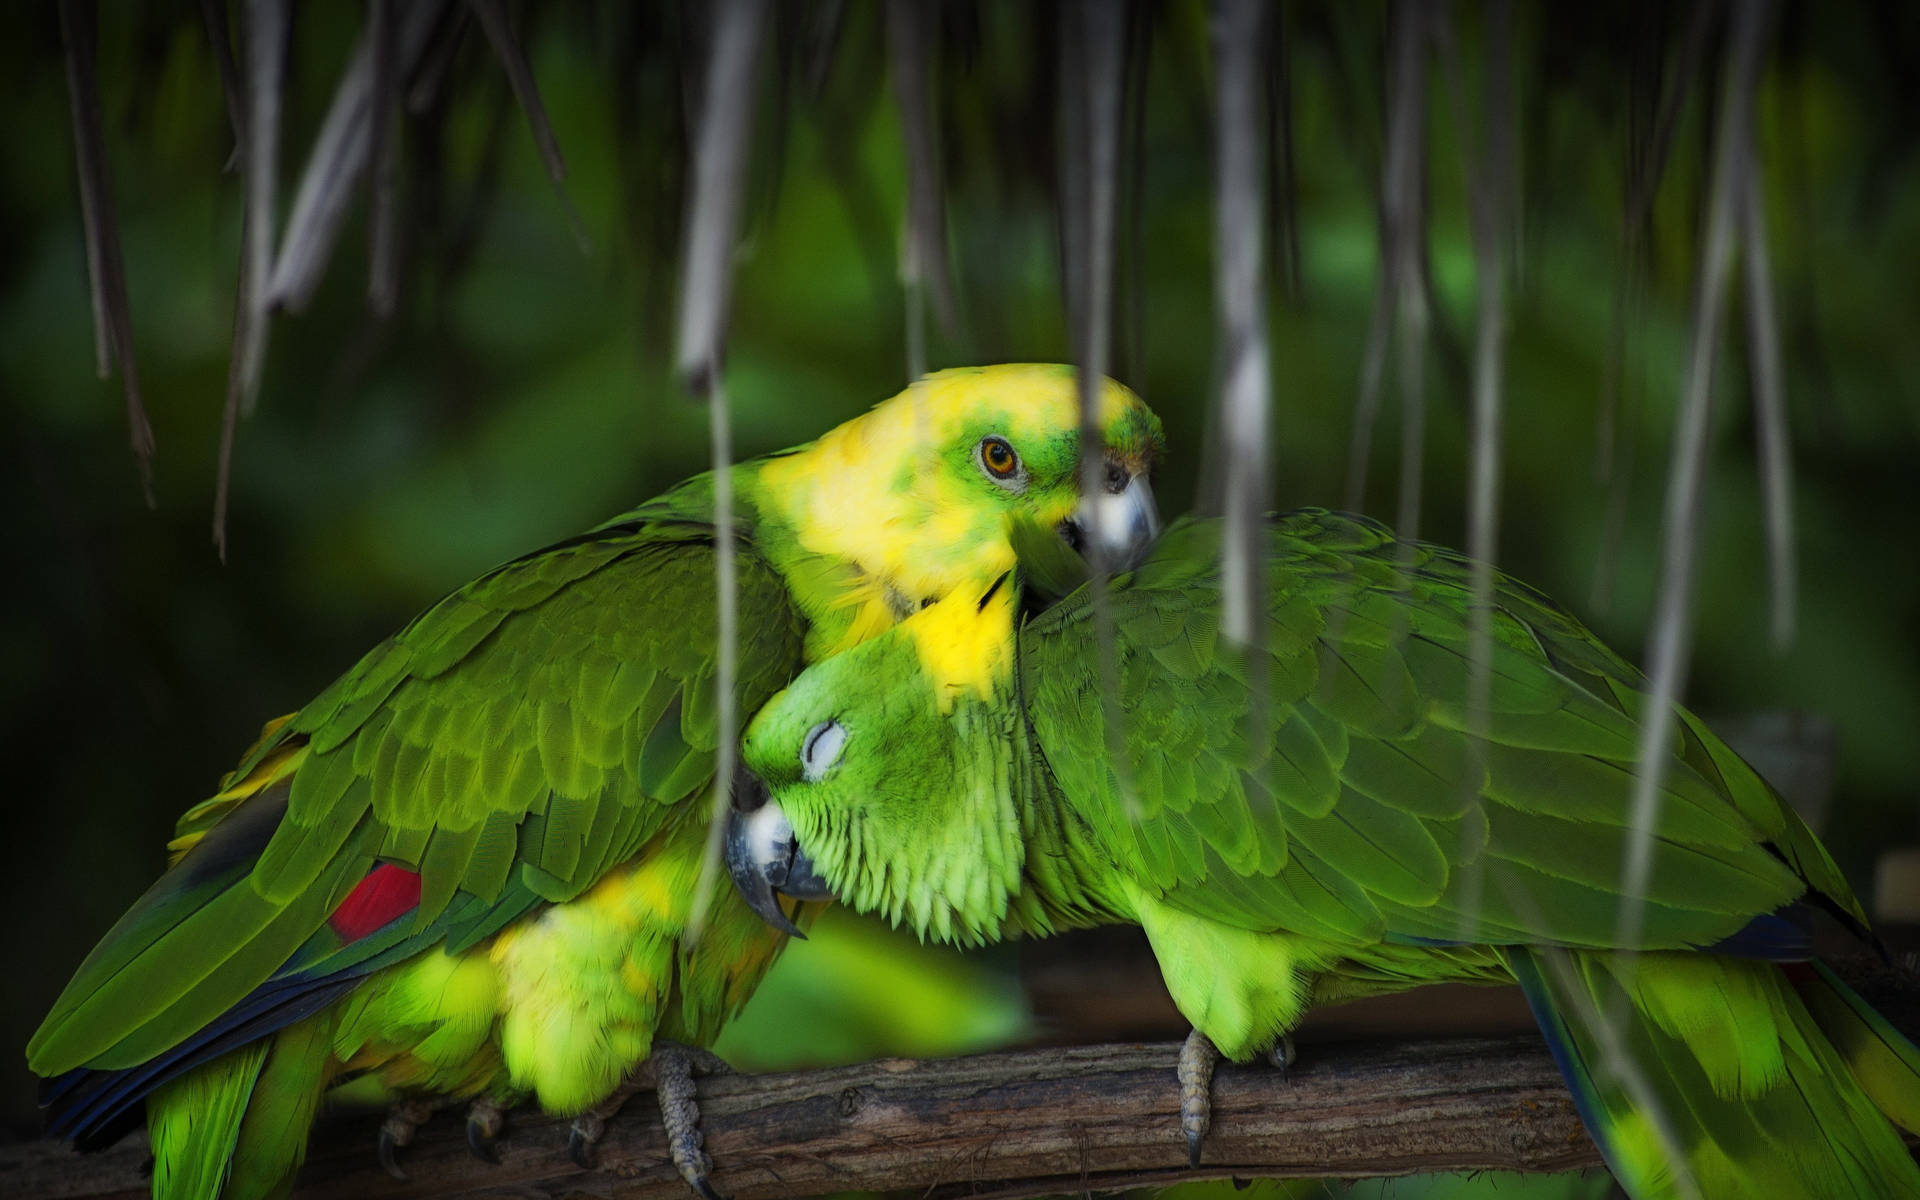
column 1884, row 1062
column 1328, row 781
column 1333, row 786
column 196, row 1122
column 1727, row 1084
column 237, row 1126
column 489, row 747
column 1331, row 813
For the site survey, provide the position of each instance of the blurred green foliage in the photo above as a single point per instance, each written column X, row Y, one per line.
column 856, row 990
column 522, row 391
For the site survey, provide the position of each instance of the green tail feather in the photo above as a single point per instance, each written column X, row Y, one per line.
column 237, row 1127
column 1730, row 1085
column 1883, row 1062
column 194, row 1120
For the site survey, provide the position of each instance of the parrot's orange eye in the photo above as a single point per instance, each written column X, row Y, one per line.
column 997, row 456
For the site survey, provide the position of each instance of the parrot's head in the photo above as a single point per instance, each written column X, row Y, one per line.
column 878, row 778
column 920, row 491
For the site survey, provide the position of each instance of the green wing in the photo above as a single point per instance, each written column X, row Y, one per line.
column 517, row 740
column 1352, row 803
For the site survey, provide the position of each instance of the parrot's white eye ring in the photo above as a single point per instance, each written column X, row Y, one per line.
column 1000, row 462
column 821, row 749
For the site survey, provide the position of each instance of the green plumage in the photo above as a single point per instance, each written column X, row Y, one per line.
column 485, row 747
column 467, row 868
column 1313, row 818
column 483, row 739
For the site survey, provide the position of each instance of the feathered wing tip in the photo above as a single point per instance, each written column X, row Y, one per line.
column 96, row 1108
column 1702, row 1075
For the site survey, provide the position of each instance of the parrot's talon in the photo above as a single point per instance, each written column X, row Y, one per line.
column 398, row 1130
column 484, row 1120
column 674, row 1069
column 1282, row 1054
column 585, row 1131
column 387, row 1161
column 1197, row 1059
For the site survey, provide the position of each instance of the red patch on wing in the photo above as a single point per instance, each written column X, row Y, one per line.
column 386, row 893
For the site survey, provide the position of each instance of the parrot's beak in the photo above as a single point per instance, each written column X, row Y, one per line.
column 1117, row 523
column 765, row 858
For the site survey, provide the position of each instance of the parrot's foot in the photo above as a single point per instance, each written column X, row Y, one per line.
column 403, row 1119
column 1282, row 1053
column 583, row 1133
column 1197, row 1060
column 670, row 1071
column 674, row 1069
column 1198, row 1057
column 484, row 1120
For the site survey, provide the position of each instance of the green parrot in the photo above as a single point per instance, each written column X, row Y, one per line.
column 1316, row 820
column 465, row 870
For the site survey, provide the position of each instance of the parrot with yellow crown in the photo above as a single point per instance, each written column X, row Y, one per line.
column 465, row 870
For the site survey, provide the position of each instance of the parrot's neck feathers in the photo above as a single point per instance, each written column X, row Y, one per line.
column 954, row 884
column 1000, row 854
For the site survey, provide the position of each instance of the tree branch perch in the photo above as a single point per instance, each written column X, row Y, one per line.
column 993, row 1126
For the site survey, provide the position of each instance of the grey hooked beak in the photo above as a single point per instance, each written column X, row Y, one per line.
column 1117, row 524
column 764, row 858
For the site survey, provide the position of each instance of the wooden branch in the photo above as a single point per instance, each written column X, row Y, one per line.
column 999, row 1126
column 994, row 1125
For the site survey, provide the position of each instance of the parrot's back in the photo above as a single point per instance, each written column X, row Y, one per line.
column 354, row 903
column 1378, row 833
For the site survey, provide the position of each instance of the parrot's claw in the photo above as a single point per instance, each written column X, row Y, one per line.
column 398, row 1130
column 674, row 1070
column 1282, row 1054
column 586, row 1130
column 1197, row 1060
column 387, row 1163
column 670, row 1072
column 483, row 1125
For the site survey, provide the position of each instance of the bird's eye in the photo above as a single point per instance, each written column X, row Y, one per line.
column 998, row 460
column 821, row 749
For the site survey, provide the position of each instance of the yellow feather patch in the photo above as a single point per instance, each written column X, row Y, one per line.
column 196, row 821
column 875, row 616
column 658, row 889
column 584, row 983
column 965, row 644
column 636, row 979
